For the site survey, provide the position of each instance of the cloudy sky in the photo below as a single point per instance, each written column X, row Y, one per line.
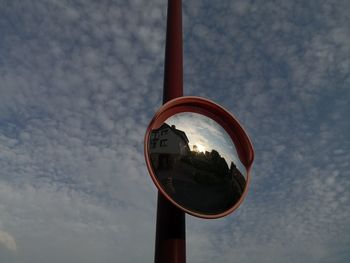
column 206, row 135
column 80, row 81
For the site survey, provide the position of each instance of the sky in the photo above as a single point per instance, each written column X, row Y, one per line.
column 80, row 82
column 206, row 135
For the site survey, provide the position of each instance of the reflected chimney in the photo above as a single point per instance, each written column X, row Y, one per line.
column 173, row 126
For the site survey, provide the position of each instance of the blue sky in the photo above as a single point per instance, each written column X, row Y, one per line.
column 79, row 82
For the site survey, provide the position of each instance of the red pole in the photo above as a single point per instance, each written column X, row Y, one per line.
column 170, row 244
column 173, row 80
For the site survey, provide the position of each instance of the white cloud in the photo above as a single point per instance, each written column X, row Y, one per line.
column 80, row 82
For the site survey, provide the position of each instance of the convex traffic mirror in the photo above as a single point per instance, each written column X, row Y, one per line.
column 199, row 156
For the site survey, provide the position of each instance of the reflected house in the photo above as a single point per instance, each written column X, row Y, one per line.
column 167, row 146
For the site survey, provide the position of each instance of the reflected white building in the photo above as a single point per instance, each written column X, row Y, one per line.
column 167, row 144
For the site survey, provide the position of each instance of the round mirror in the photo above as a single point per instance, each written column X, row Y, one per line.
column 193, row 158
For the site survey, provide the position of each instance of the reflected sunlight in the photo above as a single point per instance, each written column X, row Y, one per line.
column 197, row 147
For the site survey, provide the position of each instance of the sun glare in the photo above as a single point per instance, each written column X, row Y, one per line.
column 199, row 147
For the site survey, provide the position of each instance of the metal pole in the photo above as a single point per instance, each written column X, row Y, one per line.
column 173, row 80
column 170, row 246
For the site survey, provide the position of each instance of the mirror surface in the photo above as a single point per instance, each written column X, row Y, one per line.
column 196, row 163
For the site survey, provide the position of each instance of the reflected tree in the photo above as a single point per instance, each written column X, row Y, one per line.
column 199, row 180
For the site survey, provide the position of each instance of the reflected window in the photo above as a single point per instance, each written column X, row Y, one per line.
column 163, row 143
column 154, row 135
column 164, row 132
column 153, row 144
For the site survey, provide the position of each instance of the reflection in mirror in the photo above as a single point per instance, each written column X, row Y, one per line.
column 196, row 162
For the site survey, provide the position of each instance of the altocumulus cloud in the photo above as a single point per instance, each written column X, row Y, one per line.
column 73, row 114
column 80, row 81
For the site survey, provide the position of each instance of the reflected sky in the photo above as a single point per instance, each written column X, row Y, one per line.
column 206, row 134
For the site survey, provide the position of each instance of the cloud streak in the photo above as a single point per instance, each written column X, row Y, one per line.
column 8, row 241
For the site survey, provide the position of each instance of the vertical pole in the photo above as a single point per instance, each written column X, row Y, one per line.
column 170, row 244
column 170, row 233
column 173, row 80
